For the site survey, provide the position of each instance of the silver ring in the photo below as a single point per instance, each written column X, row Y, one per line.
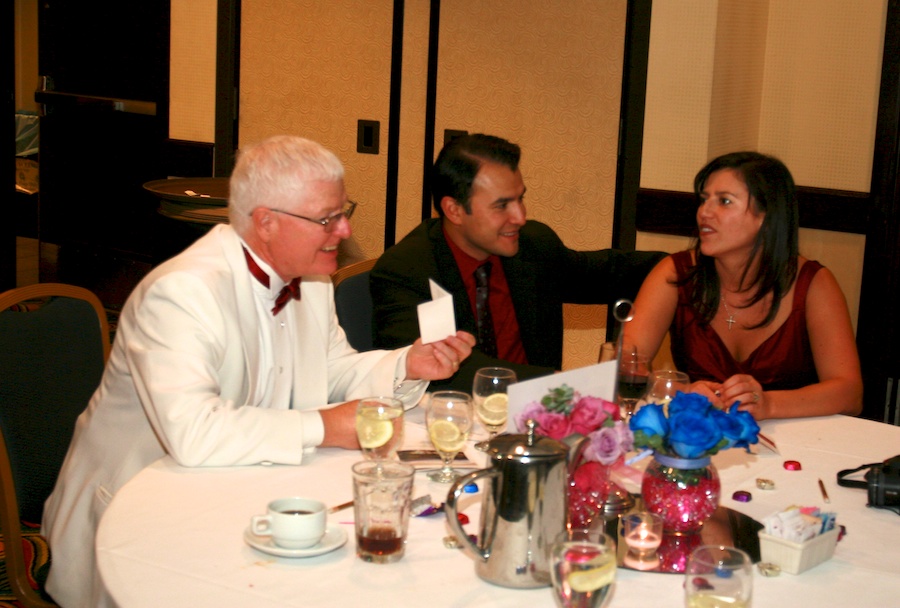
column 755, row 397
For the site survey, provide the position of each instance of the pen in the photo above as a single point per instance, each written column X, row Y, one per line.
column 824, row 492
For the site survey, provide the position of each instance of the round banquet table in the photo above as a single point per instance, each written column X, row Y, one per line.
column 173, row 536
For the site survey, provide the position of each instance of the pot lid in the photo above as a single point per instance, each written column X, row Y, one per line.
column 526, row 445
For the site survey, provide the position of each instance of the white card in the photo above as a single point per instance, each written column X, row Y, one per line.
column 597, row 380
column 436, row 318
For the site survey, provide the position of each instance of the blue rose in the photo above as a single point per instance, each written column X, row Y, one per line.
column 694, row 434
column 689, row 402
column 651, row 419
column 650, row 426
column 748, row 428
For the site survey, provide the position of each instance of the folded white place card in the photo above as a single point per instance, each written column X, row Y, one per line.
column 436, row 318
column 597, row 380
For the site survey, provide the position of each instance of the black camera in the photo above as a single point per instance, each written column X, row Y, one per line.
column 883, row 482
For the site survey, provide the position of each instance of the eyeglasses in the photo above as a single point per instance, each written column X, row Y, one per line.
column 328, row 223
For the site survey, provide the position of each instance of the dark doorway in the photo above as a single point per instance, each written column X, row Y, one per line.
column 104, row 67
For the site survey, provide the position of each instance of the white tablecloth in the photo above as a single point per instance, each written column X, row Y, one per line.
column 173, row 536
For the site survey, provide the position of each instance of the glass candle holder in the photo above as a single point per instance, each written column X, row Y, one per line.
column 642, row 533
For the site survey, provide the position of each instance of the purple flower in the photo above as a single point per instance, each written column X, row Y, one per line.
column 605, row 446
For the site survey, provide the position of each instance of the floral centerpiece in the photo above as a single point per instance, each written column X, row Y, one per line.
column 564, row 412
column 681, row 484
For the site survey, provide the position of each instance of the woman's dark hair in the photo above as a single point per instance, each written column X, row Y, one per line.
column 459, row 162
column 772, row 192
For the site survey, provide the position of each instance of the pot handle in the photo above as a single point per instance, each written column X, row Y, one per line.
column 453, row 516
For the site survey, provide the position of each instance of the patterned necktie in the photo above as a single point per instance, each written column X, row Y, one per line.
column 291, row 290
column 486, row 338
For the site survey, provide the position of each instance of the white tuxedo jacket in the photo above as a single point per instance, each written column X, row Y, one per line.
column 181, row 380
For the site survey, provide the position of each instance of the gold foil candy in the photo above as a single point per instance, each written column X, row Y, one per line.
column 765, row 484
column 768, row 569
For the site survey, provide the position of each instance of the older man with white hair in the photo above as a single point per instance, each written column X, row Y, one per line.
column 227, row 353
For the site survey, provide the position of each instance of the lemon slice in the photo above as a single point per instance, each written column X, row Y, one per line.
column 593, row 579
column 373, row 433
column 446, row 436
column 494, row 409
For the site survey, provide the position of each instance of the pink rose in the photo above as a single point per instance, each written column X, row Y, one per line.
column 588, row 415
column 553, row 425
column 549, row 424
column 532, row 411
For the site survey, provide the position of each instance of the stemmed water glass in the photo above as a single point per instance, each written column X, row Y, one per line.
column 489, row 394
column 634, row 374
column 379, row 427
column 582, row 568
column 449, row 419
column 664, row 384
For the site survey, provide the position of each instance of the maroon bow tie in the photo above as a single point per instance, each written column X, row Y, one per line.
column 291, row 290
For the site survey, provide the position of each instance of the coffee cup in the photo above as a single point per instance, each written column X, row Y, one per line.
column 293, row 523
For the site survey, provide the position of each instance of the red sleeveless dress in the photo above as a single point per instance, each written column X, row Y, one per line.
column 783, row 362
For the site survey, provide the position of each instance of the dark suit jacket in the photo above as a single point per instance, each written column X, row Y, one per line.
column 542, row 276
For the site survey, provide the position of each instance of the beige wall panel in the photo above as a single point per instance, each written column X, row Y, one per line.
column 842, row 254
column 192, row 70
column 551, row 84
column 737, row 76
column 823, row 69
column 313, row 68
column 412, row 121
column 679, row 92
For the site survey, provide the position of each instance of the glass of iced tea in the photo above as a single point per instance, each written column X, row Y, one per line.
column 381, row 504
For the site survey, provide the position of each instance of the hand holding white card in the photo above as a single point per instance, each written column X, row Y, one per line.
column 436, row 318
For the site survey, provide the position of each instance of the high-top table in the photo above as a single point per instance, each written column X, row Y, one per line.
column 173, row 536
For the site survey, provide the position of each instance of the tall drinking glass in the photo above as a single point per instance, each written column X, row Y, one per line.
column 379, row 427
column 489, row 394
column 582, row 568
column 449, row 419
column 718, row 577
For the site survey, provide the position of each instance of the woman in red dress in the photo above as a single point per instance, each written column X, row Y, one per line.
column 751, row 320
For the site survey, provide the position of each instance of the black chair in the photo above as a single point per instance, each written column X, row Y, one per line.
column 52, row 355
column 353, row 303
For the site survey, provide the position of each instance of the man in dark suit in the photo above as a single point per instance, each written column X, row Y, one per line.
column 479, row 195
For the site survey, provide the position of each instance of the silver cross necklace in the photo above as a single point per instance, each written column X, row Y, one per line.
column 730, row 319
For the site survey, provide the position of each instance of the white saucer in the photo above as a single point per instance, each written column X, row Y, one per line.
column 335, row 536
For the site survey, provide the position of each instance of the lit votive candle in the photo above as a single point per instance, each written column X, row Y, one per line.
column 643, row 535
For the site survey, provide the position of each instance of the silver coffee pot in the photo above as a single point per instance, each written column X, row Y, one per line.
column 524, row 507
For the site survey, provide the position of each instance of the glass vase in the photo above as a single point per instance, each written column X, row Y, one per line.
column 594, row 498
column 685, row 492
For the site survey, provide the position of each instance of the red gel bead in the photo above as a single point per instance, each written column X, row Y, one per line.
column 792, row 465
column 463, row 518
column 742, row 496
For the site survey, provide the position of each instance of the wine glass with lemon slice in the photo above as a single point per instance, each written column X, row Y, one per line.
column 379, row 427
column 449, row 419
column 582, row 568
column 489, row 394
